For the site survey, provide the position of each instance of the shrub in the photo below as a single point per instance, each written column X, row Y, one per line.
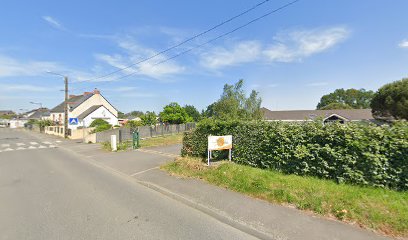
column 98, row 122
column 363, row 154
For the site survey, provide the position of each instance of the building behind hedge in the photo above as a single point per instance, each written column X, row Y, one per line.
column 339, row 115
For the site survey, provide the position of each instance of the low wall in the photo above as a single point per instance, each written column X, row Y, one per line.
column 126, row 134
column 72, row 133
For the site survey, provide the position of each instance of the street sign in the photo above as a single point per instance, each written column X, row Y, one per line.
column 219, row 143
column 73, row 121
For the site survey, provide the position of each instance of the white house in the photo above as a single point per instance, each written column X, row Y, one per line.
column 86, row 108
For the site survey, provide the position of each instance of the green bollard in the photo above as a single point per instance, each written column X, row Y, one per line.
column 136, row 143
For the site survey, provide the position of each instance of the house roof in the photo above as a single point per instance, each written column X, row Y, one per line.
column 89, row 111
column 73, row 102
column 6, row 112
column 38, row 113
column 302, row 115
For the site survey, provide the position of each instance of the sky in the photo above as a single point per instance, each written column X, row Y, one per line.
column 291, row 57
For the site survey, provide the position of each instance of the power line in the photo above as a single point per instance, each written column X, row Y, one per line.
column 183, row 42
column 211, row 40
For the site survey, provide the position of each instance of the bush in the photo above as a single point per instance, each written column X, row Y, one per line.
column 98, row 122
column 101, row 128
column 363, row 154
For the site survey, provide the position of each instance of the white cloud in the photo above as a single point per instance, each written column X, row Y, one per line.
column 10, row 67
column 25, row 88
column 296, row 45
column 53, row 22
column 403, row 44
column 243, row 52
column 290, row 46
column 135, row 53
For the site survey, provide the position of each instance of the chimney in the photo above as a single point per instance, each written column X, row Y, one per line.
column 96, row 91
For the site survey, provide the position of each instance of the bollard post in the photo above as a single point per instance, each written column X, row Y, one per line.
column 114, row 143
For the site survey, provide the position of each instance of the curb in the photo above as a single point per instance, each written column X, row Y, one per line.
column 209, row 211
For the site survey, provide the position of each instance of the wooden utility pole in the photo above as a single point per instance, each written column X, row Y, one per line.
column 66, row 108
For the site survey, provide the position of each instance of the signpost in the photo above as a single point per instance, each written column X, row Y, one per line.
column 73, row 121
column 219, row 143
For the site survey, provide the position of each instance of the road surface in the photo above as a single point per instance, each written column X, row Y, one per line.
column 49, row 192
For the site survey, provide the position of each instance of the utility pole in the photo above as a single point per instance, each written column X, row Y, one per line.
column 65, row 102
column 66, row 108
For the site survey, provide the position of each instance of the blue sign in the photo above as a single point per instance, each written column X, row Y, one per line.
column 73, row 121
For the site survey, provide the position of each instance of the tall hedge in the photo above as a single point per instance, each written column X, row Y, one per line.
column 356, row 153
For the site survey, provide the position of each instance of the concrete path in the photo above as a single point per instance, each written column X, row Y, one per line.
column 254, row 217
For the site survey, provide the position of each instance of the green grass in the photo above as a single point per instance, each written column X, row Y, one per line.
column 121, row 146
column 148, row 142
column 383, row 210
column 161, row 140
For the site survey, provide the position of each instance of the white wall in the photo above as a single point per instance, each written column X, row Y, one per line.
column 102, row 113
column 17, row 123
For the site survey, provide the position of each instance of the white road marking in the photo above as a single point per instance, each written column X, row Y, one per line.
column 8, row 149
column 21, row 144
column 58, row 141
column 52, row 146
column 5, row 145
column 33, row 143
column 137, row 173
column 20, row 148
column 157, row 152
column 41, row 146
column 32, row 147
column 48, row 143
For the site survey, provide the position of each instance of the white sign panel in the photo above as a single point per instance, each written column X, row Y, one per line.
column 219, row 142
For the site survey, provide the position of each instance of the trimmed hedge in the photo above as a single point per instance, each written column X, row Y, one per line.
column 356, row 153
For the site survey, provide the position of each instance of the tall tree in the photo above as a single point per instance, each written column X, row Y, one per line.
column 355, row 98
column 391, row 101
column 233, row 104
column 149, row 119
column 175, row 114
column 192, row 112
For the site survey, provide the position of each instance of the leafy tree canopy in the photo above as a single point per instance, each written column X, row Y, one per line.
column 121, row 114
column 192, row 112
column 355, row 98
column 391, row 101
column 149, row 119
column 175, row 114
column 233, row 104
column 98, row 122
column 135, row 114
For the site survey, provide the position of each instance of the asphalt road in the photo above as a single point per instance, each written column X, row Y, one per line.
column 48, row 192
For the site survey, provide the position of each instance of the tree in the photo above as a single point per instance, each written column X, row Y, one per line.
column 98, row 122
column 121, row 114
column 100, row 125
column 233, row 104
column 175, row 114
column 135, row 114
column 334, row 105
column 133, row 124
column 354, row 98
column 391, row 101
column 149, row 119
column 192, row 112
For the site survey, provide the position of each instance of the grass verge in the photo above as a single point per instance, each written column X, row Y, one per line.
column 383, row 210
column 148, row 142
column 162, row 140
